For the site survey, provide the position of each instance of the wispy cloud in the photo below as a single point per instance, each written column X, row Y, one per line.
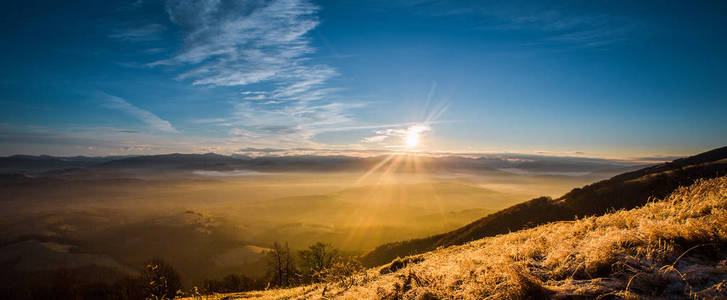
column 149, row 32
column 255, row 97
column 375, row 139
column 156, row 123
column 400, row 133
column 556, row 27
column 291, row 124
column 93, row 141
column 85, row 140
column 540, row 23
column 240, row 43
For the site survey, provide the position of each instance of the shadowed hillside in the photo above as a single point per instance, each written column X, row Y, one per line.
column 624, row 191
column 673, row 248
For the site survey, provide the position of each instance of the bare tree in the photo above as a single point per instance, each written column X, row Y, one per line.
column 281, row 265
column 161, row 281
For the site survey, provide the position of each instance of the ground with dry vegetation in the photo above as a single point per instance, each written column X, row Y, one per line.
column 625, row 191
column 673, row 248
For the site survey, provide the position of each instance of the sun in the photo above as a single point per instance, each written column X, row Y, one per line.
column 412, row 135
column 412, row 138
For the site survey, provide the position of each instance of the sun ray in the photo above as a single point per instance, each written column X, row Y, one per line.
column 375, row 168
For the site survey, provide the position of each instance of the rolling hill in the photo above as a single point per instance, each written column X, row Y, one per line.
column 670, row 248
column 624, row 191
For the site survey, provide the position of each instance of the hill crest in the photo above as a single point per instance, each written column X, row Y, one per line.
column 623, row 191
column 672, row 248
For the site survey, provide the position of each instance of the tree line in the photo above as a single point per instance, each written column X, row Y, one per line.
column 319, row 263
column 158, row 280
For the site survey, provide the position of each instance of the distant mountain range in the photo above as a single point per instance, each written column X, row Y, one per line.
column 50, row 165
column 624, row 191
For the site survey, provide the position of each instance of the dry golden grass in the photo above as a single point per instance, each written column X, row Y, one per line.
column 674, row 248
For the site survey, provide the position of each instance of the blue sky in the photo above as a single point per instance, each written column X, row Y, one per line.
column 615, row 79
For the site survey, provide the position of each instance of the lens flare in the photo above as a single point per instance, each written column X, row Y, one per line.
column 413, row 135
column 412, row 139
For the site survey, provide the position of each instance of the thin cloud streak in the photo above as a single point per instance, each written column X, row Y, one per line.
column 552, row 26
column 93, row 141
column 149, row 32
column 146, row 117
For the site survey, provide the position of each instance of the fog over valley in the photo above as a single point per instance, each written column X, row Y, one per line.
column 212, row 214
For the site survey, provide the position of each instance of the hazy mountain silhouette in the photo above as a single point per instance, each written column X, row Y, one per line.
column 43, row 163
column 54, row 166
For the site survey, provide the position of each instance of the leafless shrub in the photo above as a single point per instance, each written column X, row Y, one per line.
column 342, row 271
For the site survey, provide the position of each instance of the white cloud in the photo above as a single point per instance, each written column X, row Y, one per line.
column 296, row 122
column 239, row 43
column 256, row 97
column 147, row 32
column 156, row 123
column 253, row 93
column 242, row 42
column 375, row 139
column 400, row 133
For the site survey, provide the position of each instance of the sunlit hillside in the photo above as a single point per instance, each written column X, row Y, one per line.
column 673, row 247
column 625, row 191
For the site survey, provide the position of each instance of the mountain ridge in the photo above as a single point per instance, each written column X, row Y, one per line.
column 213, row 161
column 618, row 192
column 670, row 248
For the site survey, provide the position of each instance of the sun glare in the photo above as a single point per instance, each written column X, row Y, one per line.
column 412, row 139
column 413, row 135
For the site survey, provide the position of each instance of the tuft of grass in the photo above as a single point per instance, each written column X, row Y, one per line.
column 673, row 248
column 399, row 263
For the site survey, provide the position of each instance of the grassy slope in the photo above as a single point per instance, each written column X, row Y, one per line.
column 624, row 191
column 674, row 248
